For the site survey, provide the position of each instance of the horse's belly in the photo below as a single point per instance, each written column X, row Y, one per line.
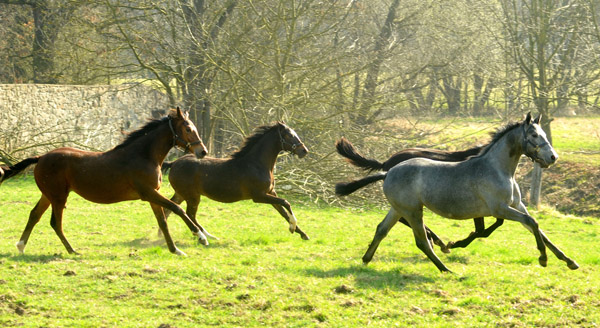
column 106, row 196
column 454, row 206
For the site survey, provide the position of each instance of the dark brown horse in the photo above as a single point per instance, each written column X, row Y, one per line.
column 346, row 149
column 246, row 174
column 129, row 171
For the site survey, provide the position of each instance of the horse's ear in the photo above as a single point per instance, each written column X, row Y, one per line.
column 538, row 119
column 183, row 114
column 528, row 118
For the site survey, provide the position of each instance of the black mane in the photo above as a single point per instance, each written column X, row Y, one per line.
column 250, row 141
column 151, row 125
column 497, row 135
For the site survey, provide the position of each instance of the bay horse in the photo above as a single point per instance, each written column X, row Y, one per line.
column 129, row 171
column 347, row 150
column 483, row 185
column 246, row 174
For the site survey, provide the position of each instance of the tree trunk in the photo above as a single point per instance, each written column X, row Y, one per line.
column 371, row 81
column 536, row 176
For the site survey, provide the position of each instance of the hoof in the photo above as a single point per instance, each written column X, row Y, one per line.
column 20, row 246
column 305, row 237
column 210, row 236
column 179, row 253
column 201, row 238
column 573, row 265
column 543, row 262
column 445, row 248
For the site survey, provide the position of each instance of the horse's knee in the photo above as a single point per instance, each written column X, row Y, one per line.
column 381, row 231
column 530, row 221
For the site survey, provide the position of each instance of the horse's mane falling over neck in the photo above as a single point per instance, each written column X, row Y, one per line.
column 496, row 136
column 255, row 138
column 144, row 130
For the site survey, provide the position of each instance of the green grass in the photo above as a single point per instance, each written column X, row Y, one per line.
column 258, row 274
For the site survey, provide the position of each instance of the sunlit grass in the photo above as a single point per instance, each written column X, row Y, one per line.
column 258, row 274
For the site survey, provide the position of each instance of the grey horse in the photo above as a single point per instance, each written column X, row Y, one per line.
column 483, row 185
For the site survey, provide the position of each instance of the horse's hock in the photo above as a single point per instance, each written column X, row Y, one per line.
column 35, row 118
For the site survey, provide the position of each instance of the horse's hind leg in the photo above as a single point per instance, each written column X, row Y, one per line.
column 415, row 220
column 382, row 230
column 34, row 217
column 56, row 223
column 431, row 236
column 191, row 210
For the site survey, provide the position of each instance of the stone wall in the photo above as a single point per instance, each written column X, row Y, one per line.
column 35, row 118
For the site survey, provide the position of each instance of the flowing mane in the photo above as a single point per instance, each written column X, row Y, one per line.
column 250, row 141
column 151, row 125
column 497, row 135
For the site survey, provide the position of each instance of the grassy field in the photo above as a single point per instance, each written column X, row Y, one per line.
column 258, row 274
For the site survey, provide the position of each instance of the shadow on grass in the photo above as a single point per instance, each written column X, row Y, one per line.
column 144, row 242
column 367, row 277
column 33, row 258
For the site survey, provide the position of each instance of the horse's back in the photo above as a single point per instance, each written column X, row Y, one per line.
column 447, row 188
column 93, row 175
column 220, row 179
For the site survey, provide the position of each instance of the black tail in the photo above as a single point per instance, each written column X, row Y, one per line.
column 166, row 166
column 17, row 168
column 346, row 188
column 346, row 149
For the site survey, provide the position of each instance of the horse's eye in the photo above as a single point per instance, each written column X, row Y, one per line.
column 535, row 135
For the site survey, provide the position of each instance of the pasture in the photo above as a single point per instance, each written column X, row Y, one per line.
column 258, row 274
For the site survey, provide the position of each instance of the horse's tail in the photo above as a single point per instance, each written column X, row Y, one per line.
column 166, row 166
column 346, row 149
column 346, row 188
column 17, row 168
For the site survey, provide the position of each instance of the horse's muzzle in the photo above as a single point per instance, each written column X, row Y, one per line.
column 301, row 151
column 200, row 150
column 547, row 159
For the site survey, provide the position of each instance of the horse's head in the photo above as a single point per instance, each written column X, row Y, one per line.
column 290, row 141
column 535, row 143
column 185, row 134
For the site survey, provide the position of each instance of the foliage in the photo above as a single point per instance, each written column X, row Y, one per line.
column 258, row 274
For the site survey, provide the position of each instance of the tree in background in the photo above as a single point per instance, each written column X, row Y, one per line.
column 547, row 42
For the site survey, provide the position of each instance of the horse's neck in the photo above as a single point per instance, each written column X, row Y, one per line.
column 266, row 151
column 154, row 146
column 506, row 152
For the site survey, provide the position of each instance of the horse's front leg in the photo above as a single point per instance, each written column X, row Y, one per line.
column 383, row 228
column 559, row 254
column 274, row 200
column 154, row 197
column 480, row 232
column 286, row 216
column 503, row 211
